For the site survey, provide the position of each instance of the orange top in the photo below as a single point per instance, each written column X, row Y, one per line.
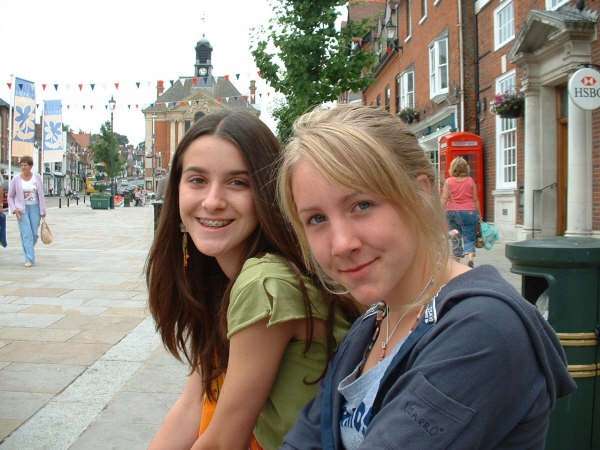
column 208, row 411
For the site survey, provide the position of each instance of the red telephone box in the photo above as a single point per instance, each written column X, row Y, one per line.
column 469, row 146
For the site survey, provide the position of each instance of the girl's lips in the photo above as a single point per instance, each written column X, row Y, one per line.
column 215, row 223
column 356, row 270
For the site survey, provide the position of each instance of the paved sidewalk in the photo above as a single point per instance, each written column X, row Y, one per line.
column 81, row 366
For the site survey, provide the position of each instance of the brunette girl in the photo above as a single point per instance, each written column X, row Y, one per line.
column 229, row 292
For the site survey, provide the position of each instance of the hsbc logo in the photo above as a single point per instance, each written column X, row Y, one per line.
column 588, row 81
column 586, row 92
column 584, row 88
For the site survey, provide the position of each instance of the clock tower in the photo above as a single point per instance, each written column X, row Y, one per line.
column 203, row 66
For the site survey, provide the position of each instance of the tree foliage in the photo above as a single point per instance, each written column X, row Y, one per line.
column 305, row 58
column 106, row 149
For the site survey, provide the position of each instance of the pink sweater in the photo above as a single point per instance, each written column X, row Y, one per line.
column 16, row 198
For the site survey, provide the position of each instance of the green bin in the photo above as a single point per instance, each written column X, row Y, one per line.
column 561, row 276
column 100, row 201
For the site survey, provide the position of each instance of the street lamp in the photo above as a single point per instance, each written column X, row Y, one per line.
column 111, row 106
column 153, row 152
column 392, row 40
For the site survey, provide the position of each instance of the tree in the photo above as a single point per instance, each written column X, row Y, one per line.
column 106, row 149
column 303, row 57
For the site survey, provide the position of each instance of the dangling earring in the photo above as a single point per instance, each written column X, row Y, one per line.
column 184, row 242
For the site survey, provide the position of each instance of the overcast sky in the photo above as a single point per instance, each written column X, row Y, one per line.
column 71, row 42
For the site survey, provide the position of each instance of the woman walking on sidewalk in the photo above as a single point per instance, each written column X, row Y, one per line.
column 463, row 212
column 26, row 200
column 229, row 292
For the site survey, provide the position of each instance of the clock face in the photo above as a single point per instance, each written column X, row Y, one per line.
column 203, row 71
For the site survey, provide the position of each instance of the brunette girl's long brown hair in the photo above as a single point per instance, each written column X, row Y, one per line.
column 190, row 306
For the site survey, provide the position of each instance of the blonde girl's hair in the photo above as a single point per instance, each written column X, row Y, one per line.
column 366, row 149
column 459, row 167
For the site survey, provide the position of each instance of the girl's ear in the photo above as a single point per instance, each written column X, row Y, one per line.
column 424, row 183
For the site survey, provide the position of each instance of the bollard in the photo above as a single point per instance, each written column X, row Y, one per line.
column 59, row 202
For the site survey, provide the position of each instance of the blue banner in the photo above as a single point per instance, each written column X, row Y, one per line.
column 52, row 126
column 23, row 134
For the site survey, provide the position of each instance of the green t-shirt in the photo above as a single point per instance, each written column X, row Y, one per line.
column 267, row 288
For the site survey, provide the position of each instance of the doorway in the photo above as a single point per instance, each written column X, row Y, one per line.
column 561, row 159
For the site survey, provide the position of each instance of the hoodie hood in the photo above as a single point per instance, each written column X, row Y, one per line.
column 486, row 281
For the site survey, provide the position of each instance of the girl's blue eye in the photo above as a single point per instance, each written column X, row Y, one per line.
column 363, row 205
column 316, row 219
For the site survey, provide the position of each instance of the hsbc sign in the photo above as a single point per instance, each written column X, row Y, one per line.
column 584, row 88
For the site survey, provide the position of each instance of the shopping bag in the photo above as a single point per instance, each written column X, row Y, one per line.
column 457, row 243
column 46, row 233
column 489, row 233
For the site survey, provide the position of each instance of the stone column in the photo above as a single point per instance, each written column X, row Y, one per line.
column 579, row 176
column 533, row 160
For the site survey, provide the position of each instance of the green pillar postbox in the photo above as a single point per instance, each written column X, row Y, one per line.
column 561, row 276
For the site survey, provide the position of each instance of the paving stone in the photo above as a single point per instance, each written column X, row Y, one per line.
column 37, row 334
column 40, row 378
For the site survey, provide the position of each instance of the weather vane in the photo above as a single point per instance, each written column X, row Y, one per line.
column 203, row 22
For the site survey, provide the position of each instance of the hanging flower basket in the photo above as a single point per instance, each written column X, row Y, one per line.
column 508, row 105
column 408, row 115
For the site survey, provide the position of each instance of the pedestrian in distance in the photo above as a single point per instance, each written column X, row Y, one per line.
column 161, row 186
column 463, row 212
column 229, row 292
column 446, row 356
column 26, row 200
column 2, row 215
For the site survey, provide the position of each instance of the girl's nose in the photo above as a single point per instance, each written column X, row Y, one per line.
column 344, row 239
column 214, row 199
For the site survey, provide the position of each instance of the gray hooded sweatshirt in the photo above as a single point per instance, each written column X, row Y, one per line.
column 484, row 374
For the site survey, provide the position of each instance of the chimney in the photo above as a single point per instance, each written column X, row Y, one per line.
column 160, row 88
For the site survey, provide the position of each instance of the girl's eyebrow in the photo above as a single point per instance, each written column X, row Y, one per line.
column 198, row 169
column 346, row 198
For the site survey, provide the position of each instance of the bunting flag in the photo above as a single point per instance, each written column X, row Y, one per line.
column 23, row 133
column 53, row 144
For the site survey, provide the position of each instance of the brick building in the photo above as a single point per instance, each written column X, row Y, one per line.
column 185, row 101
column 441, row 64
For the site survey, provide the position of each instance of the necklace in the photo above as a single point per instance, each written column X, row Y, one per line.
column 388, row 334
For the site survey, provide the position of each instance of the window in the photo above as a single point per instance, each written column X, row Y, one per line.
column 438, row 67
column 408, row 20
column 398, row 89
column 504, row 24
column 407, row 89
column 555, row 4
column 506, row 140
column 388, row 97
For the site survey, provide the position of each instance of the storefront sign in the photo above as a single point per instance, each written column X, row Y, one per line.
column 584, row 88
